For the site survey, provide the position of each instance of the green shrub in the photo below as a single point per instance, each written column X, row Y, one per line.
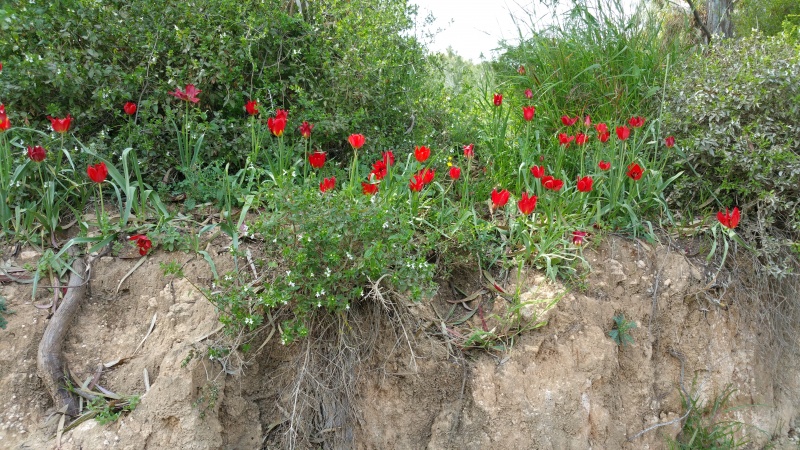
column 735, row 111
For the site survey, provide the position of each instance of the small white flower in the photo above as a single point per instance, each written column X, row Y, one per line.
column 327, row 272
column 319, row 304
column 291, row 284
column 347, row 306
column 248, row 321
column 349, row 256
column 228, row 278
column 311, row 275
column 385, row 225
column 294, row 174
column 288, row 273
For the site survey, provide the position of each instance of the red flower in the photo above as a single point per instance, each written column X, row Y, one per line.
column 634, row 171
column 189, row 95
column 528, row 94
column 97, row 172
column 357, row 141
column 537, row 171
column 327, row 184
column 388, row 158
column 564, row 139
column 528, row 112
column 305, row 129
column 282, row 114
column 317, row 159
column 729, row 219
column 552, row 183
column 369, row 188
column 601, row 128
column 526, row 204
column 521, row 70
column 585, row 184
column 143, row 242
column 416, row 184
column 587, row 122
column 669, row 141
column 427, row 175
column 469, row 151
column 577, row 237
column 129, row 108
column 5, row 124
column 499, row 199
column 37, row 153
column 604, row 136
column 498, row 99
column 623, row 133
column 636, row 122
column 378, row 170
column 455, row 173
column 422, row 153
column 581, row 139
column 604, row 165
column 276, row 125
column 60, row 125
column 569, row 121
column 251, row 107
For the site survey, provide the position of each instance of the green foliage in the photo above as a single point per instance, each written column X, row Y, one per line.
column 620, row 333
column 3, row 311
column 767, row 16
column 107, row 411
column 734, row 110
column 704, row 428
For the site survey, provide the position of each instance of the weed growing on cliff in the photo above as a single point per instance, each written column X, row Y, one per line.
column 620, row 333
column 704, row 428
column 107, row 411
column 3, row 311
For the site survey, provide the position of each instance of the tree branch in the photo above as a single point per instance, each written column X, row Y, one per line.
column 699, row 21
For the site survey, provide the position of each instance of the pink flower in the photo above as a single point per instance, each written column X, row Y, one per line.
column 577, row 237
column 189, row 95
column 528, row 94
column 587, row 122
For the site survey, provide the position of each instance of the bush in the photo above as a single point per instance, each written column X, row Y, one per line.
column 735, row 110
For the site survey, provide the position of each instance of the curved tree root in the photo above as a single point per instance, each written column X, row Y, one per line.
column 50, row 360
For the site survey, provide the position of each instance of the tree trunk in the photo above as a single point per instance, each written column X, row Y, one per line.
column 719, row 17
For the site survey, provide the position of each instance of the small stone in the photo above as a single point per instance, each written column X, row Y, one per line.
column 641, row 264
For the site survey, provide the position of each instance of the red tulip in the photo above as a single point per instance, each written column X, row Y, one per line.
column 569, row 121
column 528, row 112
column 282, row 114
column 498, row 99
column 577, row 237
column 552, row 183
column 379, row 170
column 327, row 184
column 587, row 122
column 317, row 159
column 97, row 172
column 469, row 151
column 60, row 125
column 388, row 158
column 537, row 171
column 521, row 70
column 634, row 171
column 422, row 153
column 357, row 140
column 5, row 124
column 37, row 153
column 189, row 95
column 603, row 137
column 526, row 204
column 528, row 94
column 623, row 133
column 416, row 184
column 564, row 139
column 427, row 175
column 276, row 125
column 636, row 122
column 604, row 165
column 455, row 173
column 369, row 188
column 669, row 141
column 143, row 242
column 305, row 129
column 129, row 108
column 729, row 219
column 601, row 128
column 499, row 199
column 581, row 139
column 251, row 107
column 585, row 184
